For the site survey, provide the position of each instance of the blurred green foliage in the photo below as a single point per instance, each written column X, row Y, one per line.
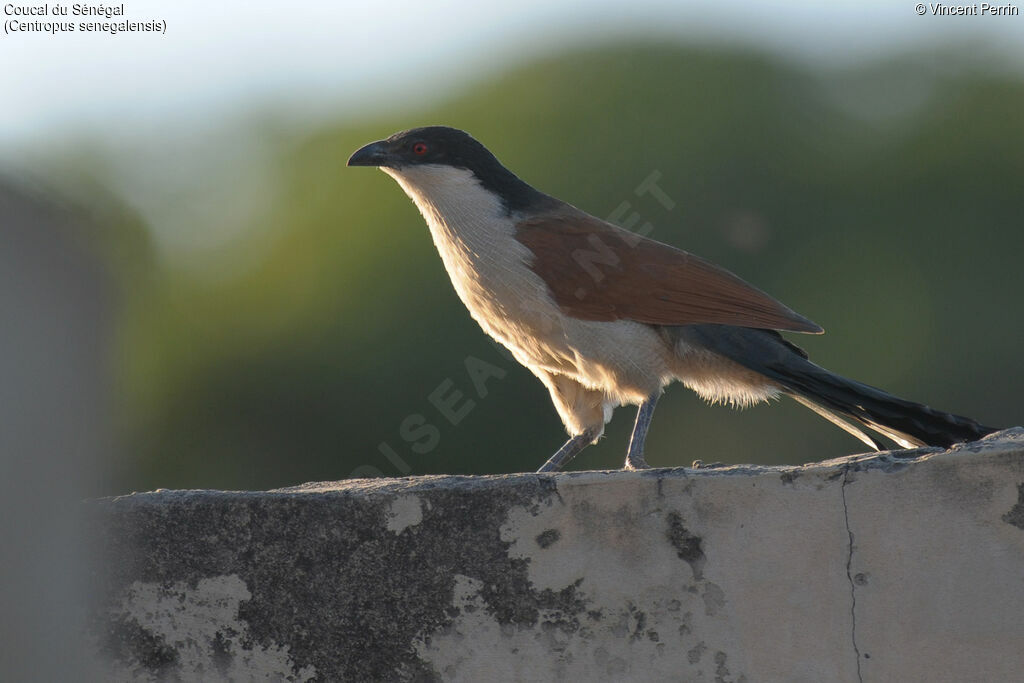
column 883, row 202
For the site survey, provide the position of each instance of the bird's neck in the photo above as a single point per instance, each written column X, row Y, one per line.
column 457, row 208
column 466, row 220
column 475, row 235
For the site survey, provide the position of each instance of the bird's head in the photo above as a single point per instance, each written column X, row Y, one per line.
column 431, row 156
column 427, row 146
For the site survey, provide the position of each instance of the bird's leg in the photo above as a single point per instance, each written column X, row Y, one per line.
column 635, row 454
column 568, row 451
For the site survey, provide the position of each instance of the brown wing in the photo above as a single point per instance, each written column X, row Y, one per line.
column 597, row 271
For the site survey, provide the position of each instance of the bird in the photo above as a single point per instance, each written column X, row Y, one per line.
column 605, row 317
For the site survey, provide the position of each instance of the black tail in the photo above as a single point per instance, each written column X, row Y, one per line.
column 766, row 352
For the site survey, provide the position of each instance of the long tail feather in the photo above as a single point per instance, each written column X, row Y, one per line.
column 839, row 422
column 830, row 395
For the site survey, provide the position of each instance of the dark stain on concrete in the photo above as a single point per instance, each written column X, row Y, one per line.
column 125, row 640
column 789, row 477
column 222, row 656
column 721, row 670
column 687, row 544
column 641, row 623
column 549, row 537
column 327, row 578
column 1016, row 514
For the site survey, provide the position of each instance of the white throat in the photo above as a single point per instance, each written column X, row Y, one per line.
column 468, row 223
column 449, row 198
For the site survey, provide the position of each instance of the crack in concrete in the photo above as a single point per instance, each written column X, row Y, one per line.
column 849, row 573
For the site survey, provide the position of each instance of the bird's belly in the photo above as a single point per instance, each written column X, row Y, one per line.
column 630, row 361
column 627, row 361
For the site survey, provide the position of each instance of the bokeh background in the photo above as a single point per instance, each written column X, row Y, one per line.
column 196, row 292
column 199, row 293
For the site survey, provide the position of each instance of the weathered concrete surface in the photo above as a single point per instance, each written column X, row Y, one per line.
column 872, row 568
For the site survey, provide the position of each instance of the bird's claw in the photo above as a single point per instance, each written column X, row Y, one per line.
column 701, row 465
column 636, row 464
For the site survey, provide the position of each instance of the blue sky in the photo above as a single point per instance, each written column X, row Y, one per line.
column 310, row 58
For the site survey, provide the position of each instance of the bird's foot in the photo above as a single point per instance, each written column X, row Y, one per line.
column 701, row 465
column 636, row 463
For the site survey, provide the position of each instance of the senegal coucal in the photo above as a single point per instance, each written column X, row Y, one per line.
column 605, row 317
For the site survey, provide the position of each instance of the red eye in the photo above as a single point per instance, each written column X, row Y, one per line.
column 419, row 149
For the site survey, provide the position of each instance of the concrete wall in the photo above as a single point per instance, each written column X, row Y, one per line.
column 872, row 568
